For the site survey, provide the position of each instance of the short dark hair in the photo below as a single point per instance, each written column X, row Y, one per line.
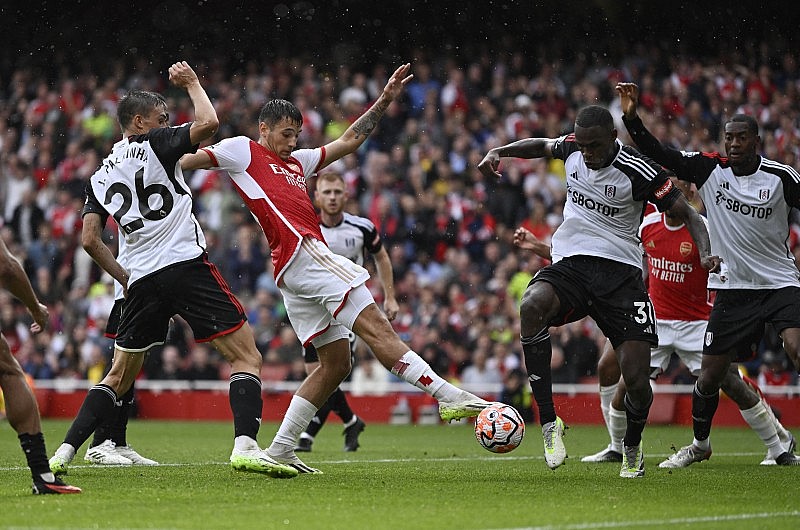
column 137, row 102
column 752, row 124
column 277, row 109
column 594, row 115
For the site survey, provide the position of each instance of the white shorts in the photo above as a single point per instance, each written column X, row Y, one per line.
column 685, row 338
column 323, row 293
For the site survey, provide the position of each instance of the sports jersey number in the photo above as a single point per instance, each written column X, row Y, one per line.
column 644, row 313
column 143, row 194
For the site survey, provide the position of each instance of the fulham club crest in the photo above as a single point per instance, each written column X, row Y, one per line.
column 709, row 338
column 763, row 195
column 611, row 191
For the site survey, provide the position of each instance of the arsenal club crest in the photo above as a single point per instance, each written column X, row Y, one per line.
column 685, row 248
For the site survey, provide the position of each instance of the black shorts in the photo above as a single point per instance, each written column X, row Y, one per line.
column 737, row 320
column 612, row 293
column 194, row 289
column 112, row 325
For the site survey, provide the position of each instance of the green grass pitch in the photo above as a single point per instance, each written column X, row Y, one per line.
column 405, row 477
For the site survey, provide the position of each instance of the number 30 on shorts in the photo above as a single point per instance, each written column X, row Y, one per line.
column 644, row 314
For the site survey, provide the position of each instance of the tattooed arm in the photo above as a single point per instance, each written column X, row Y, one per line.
column 355, row 135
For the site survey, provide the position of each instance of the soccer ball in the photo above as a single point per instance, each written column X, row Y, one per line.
column 499, row 428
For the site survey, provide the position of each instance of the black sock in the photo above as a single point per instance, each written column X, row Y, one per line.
column 115, row 428
column 703, row 409
column 35, row 453
column 246, row 404
column 637, row 419
column 538, row 352
column 340, row 406
column 119, row 427
column 319, row 419
column 98, row 407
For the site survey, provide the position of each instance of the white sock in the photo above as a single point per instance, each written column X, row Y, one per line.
column 245, row 443
column 760, row 420
column 703, row 445
column 413, row 369
column 352, row 421
column 617, row 425
column 784, row 435
column 606, row 396
column 295, row 421
column 66, row 451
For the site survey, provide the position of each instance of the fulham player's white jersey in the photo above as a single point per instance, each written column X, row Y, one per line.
column 605, row 206
column 352, row 237
column 141, row 185
column 748, row 215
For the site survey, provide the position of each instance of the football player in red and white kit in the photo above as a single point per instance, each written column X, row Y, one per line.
column 166, row 269
column 324, row 293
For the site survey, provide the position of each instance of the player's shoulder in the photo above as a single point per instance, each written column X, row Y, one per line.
column 784, row 171
column 357, row 221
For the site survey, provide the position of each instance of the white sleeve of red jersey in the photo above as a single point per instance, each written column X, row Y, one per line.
column 310, row 159
column 230, row 154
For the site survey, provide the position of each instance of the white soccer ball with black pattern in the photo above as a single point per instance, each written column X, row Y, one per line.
column 499, row 428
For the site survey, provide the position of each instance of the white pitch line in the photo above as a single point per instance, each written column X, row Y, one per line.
column 661, row 522
column 498, row 458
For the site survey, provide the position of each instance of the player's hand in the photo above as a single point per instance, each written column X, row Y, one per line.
column 182, row 75
column 40, row 318
column 628, row 98
column 490, row 165
column 397, row 82
column 524, row 238
column 391, row 307
column 711, row 263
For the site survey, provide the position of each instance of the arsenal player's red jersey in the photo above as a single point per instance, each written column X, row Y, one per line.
column 677, row 283
column 274, row 191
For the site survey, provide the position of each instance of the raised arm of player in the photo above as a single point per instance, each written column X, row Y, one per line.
column 205, row 122
column 525, row 148
column 386, row 275
column 13, row 278
column 357, row 133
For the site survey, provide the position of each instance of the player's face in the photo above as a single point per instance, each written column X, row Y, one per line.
column 331, row 196
column 157, row 118
column 281, row 138
column 740, row 144
column 596, row 144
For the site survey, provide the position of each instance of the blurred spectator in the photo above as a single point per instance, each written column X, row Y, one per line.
column 203, row 364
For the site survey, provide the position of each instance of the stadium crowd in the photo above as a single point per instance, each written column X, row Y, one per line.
column 447, row 228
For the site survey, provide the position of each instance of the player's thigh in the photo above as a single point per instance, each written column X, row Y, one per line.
column 621, row 306
column 689, row 343
column 735, row 325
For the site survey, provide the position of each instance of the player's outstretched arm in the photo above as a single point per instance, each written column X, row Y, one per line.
column 525, row 148
column 357, row 133
column 205, row 122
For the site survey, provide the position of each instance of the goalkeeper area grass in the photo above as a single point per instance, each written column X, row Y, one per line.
column 405, row 477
